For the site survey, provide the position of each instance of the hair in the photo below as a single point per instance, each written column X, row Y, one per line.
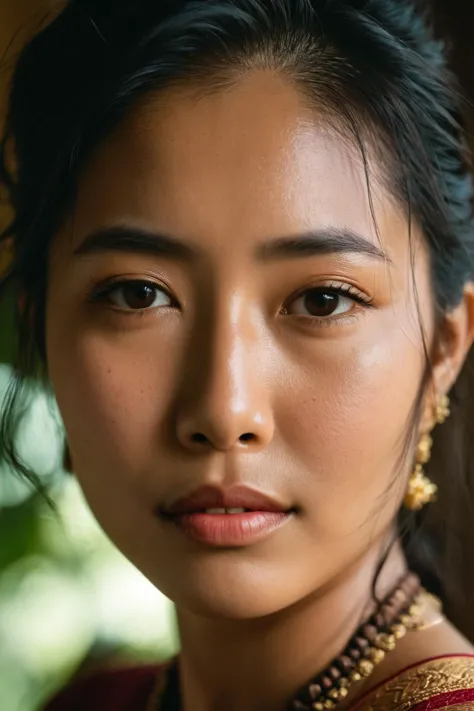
column 373, row 66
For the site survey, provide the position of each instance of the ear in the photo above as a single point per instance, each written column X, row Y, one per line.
column 454, row 339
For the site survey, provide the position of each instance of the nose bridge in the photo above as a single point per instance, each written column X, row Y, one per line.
column 224, row 401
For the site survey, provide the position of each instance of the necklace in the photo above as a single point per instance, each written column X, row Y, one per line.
column 401, row 611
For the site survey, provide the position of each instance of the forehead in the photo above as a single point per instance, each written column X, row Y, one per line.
column 249, row 162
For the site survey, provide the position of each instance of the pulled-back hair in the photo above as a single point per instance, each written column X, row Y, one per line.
column 372, row 67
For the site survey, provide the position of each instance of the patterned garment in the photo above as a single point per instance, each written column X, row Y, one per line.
column 439, row 684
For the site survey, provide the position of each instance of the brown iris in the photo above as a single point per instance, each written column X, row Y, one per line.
column 138, row 295
column 320, row 303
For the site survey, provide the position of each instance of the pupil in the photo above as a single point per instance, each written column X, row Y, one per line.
column 321, row 304
column 139, row 296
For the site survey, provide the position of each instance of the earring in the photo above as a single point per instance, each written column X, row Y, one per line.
column 421, row 490
column 442, row 411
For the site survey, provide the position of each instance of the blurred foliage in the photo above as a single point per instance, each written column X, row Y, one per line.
column 68, row 599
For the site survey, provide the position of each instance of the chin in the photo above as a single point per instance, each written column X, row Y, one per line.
column 231, row 607
column 236, row 591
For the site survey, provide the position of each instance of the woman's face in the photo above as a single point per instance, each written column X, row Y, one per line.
column 277, row 346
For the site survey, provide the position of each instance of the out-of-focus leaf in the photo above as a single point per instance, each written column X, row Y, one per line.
column 19, row 532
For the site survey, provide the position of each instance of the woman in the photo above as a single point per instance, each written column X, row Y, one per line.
column 243, row 247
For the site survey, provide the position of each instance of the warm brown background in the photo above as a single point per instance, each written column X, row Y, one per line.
column 17, row 17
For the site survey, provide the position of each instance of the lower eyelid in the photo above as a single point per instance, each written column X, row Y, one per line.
column 329, row 321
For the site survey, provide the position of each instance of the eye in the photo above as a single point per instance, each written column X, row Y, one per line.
column 322, row 303
column 137, row 296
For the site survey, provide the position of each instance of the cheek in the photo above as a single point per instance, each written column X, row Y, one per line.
column 113, row 393
column 346, row 421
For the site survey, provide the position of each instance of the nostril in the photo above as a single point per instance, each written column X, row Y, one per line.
column 202, row 439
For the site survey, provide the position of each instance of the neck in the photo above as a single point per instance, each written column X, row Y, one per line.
column 258, row 665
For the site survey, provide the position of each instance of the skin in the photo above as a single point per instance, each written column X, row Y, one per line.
column 327, row 400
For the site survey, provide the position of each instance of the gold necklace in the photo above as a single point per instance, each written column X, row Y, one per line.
column 434, row 602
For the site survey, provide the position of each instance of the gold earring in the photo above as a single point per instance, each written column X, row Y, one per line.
column 421, row 490
column 442, row 410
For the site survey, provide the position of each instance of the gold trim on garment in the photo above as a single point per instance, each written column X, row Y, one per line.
column 421, row 683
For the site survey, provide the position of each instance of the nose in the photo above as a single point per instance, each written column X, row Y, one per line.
column 224, row 403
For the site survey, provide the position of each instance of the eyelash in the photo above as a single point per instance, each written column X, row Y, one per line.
column 346, row 290
column 100, row 292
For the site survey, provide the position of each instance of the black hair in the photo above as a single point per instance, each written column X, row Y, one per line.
column 373, row 66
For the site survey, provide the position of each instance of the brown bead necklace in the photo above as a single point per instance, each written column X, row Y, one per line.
column 397, row 614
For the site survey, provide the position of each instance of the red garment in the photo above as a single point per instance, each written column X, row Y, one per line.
column 122, row 689
column 457, row 700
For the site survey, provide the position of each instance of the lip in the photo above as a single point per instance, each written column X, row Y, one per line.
column 237, row 497
column 265, row 515
column 230, row 530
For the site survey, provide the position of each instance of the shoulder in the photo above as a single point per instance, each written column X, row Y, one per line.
column 445, row 683
column 115, row 689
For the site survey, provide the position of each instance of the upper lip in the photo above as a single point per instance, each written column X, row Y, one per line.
column 211, row 497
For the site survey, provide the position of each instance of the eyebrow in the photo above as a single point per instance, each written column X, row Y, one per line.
column 331, row 240
column 135, row 239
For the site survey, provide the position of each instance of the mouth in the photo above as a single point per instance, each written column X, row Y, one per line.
column 229, row 530
column 230, row 518
column 223, row 511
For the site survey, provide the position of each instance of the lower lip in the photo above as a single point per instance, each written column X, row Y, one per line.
column 230, row 530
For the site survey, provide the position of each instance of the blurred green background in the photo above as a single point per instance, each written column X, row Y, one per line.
column 69, row 601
